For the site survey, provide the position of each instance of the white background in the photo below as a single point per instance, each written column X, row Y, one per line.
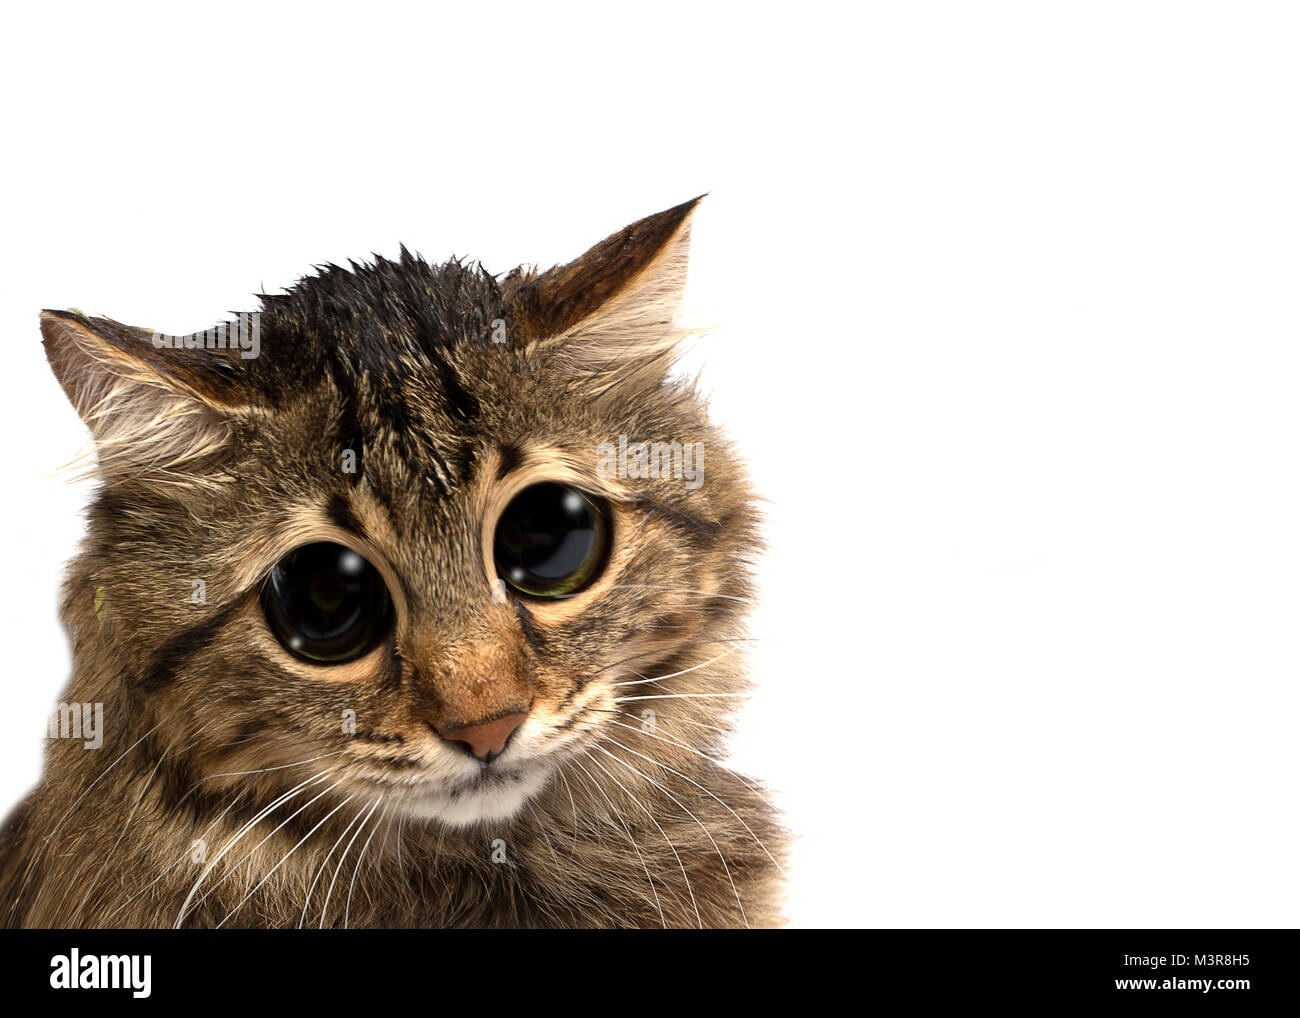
column 1008, row 325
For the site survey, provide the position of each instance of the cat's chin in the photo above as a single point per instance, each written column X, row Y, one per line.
column 497, row 798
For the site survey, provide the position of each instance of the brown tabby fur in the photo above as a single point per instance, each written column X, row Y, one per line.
column 214, row 466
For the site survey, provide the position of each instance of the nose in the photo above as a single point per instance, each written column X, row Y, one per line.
column 488, row 740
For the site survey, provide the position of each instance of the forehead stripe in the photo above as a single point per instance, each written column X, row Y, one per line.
column 341, row 515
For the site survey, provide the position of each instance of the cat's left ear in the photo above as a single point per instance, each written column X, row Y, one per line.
column 612, row 312
column 151, row 406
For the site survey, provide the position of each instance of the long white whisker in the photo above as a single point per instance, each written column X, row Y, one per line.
column 342, row 859
column 677, row 696
column 285, row 857
column 541, row 826
column 572, row 805
column 679, row 719
column 264, row 770
column 689, row 890
column 627, row 830
column 725, row 868
column 347, row 908
column 278, row 827
column 131, row 816
column 261, row 770
column 325, row 862
column 710, row 794
column 180, row 917
column 31, row 864
column 183, row 856
column 663, row 651
column 642, row 681
column 711, row 759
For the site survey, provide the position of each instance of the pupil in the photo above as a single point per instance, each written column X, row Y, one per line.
column 551, row 540
column 327, row 591
column 326, row 603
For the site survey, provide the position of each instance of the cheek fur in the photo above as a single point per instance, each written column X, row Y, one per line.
column 388, row 409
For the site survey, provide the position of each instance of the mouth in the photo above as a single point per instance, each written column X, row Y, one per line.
column 492, row 794
column 487, row 778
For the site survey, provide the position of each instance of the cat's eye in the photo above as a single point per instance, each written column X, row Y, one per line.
column 326, row 603
column 552, row 540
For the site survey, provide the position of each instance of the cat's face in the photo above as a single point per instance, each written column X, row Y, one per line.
column 410, row 547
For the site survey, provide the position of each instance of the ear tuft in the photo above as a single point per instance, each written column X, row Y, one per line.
column 611, row 312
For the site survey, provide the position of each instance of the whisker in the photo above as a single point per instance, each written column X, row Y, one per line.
column 285, row 858
column 265, row 770
column 676, row 696
column 627, row 830
column 185, row 906
column 658, row 678
column 50, row 837
column 347, row 907
column 572, row 805
column 184, row 855
column 325, row 862
column 677, row 719
column 437, row 849
column 711, row 795
column 725, row 868
column 401, row 868
column 195, row 787
column 249, row 854
column 711, row 759
column 342, row 859
column 541, row 826
column 689, row 890
column 671, row 650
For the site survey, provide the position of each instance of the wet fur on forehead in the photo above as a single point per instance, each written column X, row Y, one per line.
column 381, row 320
column 386, row 340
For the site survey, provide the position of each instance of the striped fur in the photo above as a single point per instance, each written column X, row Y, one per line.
column 228, row 792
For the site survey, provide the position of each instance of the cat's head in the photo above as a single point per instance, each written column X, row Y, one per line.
column 418, row 530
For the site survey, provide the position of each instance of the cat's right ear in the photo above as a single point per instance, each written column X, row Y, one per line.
column 150, row 408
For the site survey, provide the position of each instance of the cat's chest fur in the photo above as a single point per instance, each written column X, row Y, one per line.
column 554, row 868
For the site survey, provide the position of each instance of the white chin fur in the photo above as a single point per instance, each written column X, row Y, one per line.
column 494, row 802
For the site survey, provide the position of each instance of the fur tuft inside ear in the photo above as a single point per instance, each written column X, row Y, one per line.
column 612, row 313
column 148, row 415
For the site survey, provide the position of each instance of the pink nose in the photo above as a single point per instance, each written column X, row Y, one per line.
column 486, row 741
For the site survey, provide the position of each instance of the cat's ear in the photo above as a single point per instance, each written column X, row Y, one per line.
column 150, row 407
column 612, row 312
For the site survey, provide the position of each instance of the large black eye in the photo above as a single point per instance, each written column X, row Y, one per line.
column 552, row 540
column 326, row 603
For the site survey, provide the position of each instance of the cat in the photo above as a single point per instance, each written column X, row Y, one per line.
column 380, row 631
